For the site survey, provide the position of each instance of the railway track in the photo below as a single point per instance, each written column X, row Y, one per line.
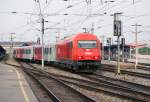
column 146, row 68
column 58, row 90
column 109, row 85
column 121, row 83
column 123, row 89
column 99, row 83
column 137, row 74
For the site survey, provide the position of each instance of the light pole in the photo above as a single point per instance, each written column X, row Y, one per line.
column 136, row 44
column 92, row 29
column 42, row 42
column 103, row 37
column 109, row 44
column 118, row 33
column 11, row 43
column 42, row 31
column 42, row 36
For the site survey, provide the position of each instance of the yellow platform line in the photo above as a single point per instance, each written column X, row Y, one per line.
column 21, row 86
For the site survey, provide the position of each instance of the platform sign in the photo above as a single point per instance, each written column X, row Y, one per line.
column 117, row 28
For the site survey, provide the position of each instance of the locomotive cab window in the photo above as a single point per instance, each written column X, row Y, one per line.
column 87, row 44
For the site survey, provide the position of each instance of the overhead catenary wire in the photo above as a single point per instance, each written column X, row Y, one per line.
column 79, row 6
column 47, row 4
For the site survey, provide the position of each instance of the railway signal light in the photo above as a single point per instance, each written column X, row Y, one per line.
column 117, row 28
column 122, row 41
column 109, row 41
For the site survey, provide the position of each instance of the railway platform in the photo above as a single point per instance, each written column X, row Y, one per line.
column 129, row 63
column 142, row 61
column 13, row 86
column 122, row 64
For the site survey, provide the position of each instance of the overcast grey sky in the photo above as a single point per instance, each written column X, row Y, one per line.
column 25, row 25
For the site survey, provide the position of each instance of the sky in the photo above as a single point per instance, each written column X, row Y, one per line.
column 26, row 26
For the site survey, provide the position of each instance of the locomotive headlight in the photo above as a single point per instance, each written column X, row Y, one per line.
column 79, row 57
column 96, row 57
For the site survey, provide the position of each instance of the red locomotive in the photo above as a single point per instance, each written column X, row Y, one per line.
column 80, row 52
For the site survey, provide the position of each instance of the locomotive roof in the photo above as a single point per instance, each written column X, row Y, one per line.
column 70, row 38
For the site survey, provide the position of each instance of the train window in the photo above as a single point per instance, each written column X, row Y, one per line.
column 46, row 50
column 50, row 50
column 14, row 52
column 70, row 44
column 87, row 44
column 28, row 52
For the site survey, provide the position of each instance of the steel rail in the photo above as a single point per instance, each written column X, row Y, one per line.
column 123, row 83
column 50, row 93
column 138, row 74
column 72, row 94
column 109, row 89
column 125, row 91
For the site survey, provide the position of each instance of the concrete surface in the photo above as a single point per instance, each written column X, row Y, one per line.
column 122, row 64
column 146, row 61
column 13, row 86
